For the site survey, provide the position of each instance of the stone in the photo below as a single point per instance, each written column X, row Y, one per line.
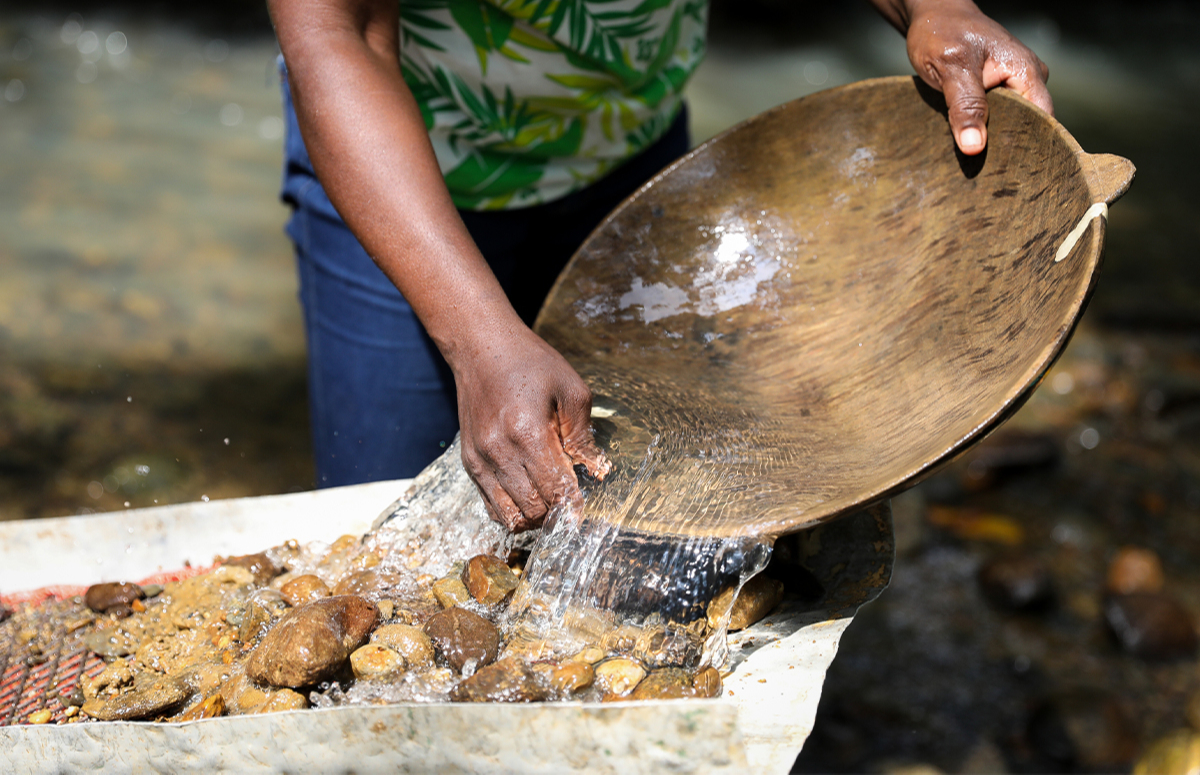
column 590, row 655
column 304, row 589
column 707, row 682
column 259, row 565
column 618, row 676
column 358, row 583
column 1151, row 625
column 1016, row 582
column 110, row 644
column 757, row 598
column 152, row 590
column 565, row 678
column 210, row 707
column 622, row 640
column 262, row 608
column 459, row 635
column 1082, row 730
column 1134, row 569
column 159, row 697
column 281, row 700
column 386, row 608
column 450, row 591
column 105, row 597
column 671, row 683
column 663, row 646
column 508, row 680
column 410, row 642
column 312, row 642
column 242, row 696
column 1177, row 752
column 374, row 661
column 488, row 579
column 39, row 716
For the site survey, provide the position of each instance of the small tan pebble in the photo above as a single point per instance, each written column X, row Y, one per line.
column 488, row 579
column 762, row 680
column 365, row 561
column 152, row 590
column 719, row 606
column 343, row 543
column 39, row 716
column 619, row 675
column 210, row 707
column 386, row 607
column 410, row 642
column 670, row 683
column 758, row 597
column 358, row 583
column 622, row 640
column 590, row 655
column 138, row 606
column 303, row 589
column 224, row 641
column 284, row 699
column 426, row 579
column 507, row 680
column 1134, row 569
column 566, row 677
column 71, row 711
column 707, row 682
column 375, row 661
column 450, row 591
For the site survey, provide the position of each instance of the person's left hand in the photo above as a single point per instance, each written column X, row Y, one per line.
column 958, row 50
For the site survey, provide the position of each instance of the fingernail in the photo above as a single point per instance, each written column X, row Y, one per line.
column 971, row 138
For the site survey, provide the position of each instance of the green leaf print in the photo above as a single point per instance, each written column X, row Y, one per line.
column 486, row 26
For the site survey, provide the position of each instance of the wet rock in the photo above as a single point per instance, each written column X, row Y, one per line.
column 205, row 679
column 263, row 608
column 304, row 589
column 488, row 579
column 1178, row 753
column 508, row 680
column 670, row 683
column 374, row 661
column 590, row 655
column 111, row 595
column 1016, row 582
column 618, row 676
column 157, row 698
column 707, row 682
column 152, row 590
column 281, row 700
column 259, row 565
column 565, row 678
column 242, row 696
column 386, row 608
column 410, row 642
column 1151, row 625
column 1134, row 569
column 755, row 601
column 1083, row 730
column 459, row 635
column 111, row 644
column 450, row 591
column 622, row 640
column 310, row 643
column 210, row 707
column 663, row 646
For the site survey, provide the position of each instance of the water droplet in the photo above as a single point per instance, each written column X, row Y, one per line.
column 116, row 43
column 87, row 42
column 1089, row 438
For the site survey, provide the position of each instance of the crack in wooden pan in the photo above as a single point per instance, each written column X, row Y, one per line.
column 820, row 306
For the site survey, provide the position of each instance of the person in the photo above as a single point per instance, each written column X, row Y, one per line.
column 444, row 160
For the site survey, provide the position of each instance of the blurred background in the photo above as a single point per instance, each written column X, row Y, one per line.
column 1043, row 607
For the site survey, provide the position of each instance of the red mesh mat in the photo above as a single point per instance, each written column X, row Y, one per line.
column 28, row 683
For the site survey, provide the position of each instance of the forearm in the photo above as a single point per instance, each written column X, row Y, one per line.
column 370, row 149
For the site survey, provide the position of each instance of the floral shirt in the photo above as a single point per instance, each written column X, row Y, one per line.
column 529, row 100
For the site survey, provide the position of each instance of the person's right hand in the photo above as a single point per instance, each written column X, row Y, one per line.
column 525, row 422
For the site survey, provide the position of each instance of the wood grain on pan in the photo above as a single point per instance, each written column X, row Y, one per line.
column 815, row 309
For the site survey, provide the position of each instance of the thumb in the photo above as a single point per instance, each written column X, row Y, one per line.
column 575, row 430
column 967, row 101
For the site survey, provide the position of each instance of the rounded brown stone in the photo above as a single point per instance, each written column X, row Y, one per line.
column 670, row 683
column 488, row 579
column 259, row 565
column 312, row 642
column 1151, row 625
column 618, row 676
column 410, row 642
column 757, row 598
column 376, row 661
column 110, row 595
column 508, row 680
column 707, row 682
column 304, row 589
column 460, row 635
column 1134, row 569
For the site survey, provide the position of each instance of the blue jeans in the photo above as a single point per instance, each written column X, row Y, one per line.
column 381, row 398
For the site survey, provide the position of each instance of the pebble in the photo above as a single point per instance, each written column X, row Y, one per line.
column 281, row 700
column 159, row 697
column 622, row 640
column 1083, row 730
column 566, row 678
column 261, row 609
column 670, row 683
column 508, row 680
column 450, row 591
column 374, row 661
column 363, row 582
column 310, row 643
column 460, row 635
column 590, row 655
column 259, row 565
column 707, row 682
column 1134, row 569
column 663, row 646
column 105, row 597
column 1178, row 753
column 1016, row 582
column 618, row 676
column 1151, row 625
column 758, row 597
column 110, row 644
column 304, row 589
column 488, row 579
column 152, row 590
column 386, row 609
column 39, row 716
column 210, row 707
column 410, row 642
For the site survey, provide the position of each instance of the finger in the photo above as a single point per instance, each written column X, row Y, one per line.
column 521, row 492
column 967, row 101
column 1028, row 80
column 499, row 505
column 574, row 417
column 553, row 475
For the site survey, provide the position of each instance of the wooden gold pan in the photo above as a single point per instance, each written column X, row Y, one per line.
column 815, row 309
